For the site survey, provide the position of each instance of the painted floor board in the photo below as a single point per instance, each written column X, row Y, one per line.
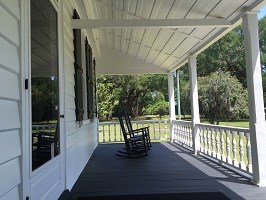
column 167, row 169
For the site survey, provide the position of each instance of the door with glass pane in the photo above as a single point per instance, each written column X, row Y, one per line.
column 44, row 83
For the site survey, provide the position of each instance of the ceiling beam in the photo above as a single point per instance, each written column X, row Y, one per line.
column 148, row 23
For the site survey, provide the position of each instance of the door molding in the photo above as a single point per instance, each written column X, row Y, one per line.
column 29, row 176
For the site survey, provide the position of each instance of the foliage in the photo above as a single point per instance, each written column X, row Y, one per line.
column 44, row 99
column 222, row 96
column 133, row 92
column 262, row 37
column 228, row 54
column 157, row 105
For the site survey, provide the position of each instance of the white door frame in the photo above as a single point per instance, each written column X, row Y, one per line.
column 27, row 174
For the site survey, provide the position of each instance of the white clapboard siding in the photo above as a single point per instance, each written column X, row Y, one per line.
column 84, row 150
column 6, row 51
column 12, row 32
column 70, row 114
column 81, row 139
column 12, row 6
column 10, row 141
column 9, row 116
column 9, row 85
column 10, row 146
column 12, row 194
column 10, row 176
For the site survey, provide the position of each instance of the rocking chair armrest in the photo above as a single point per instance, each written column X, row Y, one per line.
column 140, row 129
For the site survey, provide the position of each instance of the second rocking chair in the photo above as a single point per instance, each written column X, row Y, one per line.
column 135, row 145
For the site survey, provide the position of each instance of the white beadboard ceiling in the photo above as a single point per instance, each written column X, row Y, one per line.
column 130, row 47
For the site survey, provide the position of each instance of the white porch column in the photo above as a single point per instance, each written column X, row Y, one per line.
column 195, row 118
column 255, row 98
column 178, row 94
column 171, row 96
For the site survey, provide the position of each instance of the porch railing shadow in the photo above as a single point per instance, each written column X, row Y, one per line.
column 227, row 146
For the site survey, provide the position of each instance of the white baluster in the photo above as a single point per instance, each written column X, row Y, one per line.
column 241, row 151
column 115, row 133
column 223, row 149
column 228, row 147
column 249, row 166
column 165, row 130
column 103, row 133
column 218, row 151
column 213, row 142
column 187, row 135
column 209, row 142
column 121, row 134
column 201, row 139
column 206, row 140
column 190, row 136
column 154, row 130
column 235, row 162
column 109, row 132
column 179, row 132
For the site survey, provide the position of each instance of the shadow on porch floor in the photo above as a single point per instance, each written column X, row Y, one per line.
column 168, row 169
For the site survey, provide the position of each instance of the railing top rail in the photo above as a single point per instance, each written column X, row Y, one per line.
column 43, row 125
column 181, row 121
column 138, row 121
column 231, row 128
column 106, row 123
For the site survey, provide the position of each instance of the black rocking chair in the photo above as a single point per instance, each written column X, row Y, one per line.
column 135, row 145
column 144, row 130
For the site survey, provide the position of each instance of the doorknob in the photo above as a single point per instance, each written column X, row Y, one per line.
column 62, row 116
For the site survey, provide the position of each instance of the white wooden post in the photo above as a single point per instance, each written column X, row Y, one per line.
column 178, row 94
column 255, row 97
column 195, row 118
column 171, row 96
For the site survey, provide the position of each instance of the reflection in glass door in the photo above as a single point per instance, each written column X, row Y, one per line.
column 44, row 82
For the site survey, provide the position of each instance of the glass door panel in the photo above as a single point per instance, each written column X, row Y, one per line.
column 44, row 82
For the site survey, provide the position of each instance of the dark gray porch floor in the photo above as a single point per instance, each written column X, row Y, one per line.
column 167, row 169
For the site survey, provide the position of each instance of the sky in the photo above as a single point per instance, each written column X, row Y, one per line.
column 262, row 12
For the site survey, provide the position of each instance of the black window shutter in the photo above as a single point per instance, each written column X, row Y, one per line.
column 95, row 88
column 78, row 71
column 90, row 81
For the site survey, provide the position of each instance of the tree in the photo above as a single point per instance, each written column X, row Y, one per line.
column 222, row 96
column 262, row 40
column 44, row 99
column 159, row 108
column 228, row 54
column 131, row 92
column 156, row 104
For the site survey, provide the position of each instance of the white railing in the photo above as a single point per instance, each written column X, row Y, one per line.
column 48, row 128
column 227, row 145
column 183, row 133
column 110, row 132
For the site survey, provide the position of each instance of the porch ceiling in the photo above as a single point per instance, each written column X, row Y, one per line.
column 175, row 30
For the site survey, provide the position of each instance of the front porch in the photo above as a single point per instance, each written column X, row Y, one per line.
column 169, row 168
